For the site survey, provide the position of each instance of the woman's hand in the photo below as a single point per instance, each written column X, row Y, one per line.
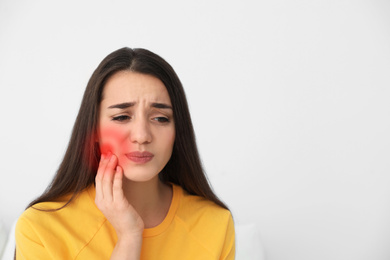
column 113, row 204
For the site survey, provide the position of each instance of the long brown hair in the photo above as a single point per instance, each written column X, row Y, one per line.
column 80, row 163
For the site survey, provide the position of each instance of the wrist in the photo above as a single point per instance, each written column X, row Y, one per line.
column 130, row 239
column 128, row 247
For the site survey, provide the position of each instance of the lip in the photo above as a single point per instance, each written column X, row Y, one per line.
column 140, row 157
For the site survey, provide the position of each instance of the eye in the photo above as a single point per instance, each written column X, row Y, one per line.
column 161, row 119
column 120, row 118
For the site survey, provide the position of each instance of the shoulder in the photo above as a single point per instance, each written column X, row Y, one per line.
column 46, row 232
column 197, row 207
column 203, row 216
column 47, row 223
column 42, row 214
column 48, row 212
column 207, row 223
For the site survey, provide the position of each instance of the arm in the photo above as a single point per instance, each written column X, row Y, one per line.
column 127, row 249
column 113, row 204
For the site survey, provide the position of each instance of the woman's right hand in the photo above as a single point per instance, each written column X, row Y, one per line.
column 119, row 212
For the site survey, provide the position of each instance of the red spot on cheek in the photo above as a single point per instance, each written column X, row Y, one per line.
column 109, row 141
column 113, row 140
column 106, row 148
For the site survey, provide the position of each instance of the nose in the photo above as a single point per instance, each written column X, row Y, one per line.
column 140, row 131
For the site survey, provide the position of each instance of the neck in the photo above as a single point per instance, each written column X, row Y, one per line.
column 150, row 199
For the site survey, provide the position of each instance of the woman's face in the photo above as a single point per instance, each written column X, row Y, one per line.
column 136, row 124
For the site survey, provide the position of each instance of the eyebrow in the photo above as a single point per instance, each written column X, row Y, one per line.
column 161, row 105
column 123, row 105
column 131, row 104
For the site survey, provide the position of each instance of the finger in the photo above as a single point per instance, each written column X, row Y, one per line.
column 99, row 177
column 117, row 185
column 108, row 176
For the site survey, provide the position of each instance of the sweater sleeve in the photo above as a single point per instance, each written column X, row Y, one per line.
column 28, row 244
column 229, row 248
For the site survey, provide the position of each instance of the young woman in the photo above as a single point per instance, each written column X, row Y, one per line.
column 131, row 184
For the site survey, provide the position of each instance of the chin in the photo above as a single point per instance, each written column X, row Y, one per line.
column 139, row 175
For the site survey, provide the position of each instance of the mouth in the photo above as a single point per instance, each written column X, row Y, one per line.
column 140, row 157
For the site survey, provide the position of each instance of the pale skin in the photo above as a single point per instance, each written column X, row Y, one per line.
column 135, row 116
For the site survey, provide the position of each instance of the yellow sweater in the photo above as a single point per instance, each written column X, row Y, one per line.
column 194, row 228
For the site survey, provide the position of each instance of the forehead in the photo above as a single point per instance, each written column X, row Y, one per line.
column 128, row 86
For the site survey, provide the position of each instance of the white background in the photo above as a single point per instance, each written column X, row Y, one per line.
column 290, row 102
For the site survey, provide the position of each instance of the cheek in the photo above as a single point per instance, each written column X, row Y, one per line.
column 111, row 139
column 106, row 148
column 169, row 142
